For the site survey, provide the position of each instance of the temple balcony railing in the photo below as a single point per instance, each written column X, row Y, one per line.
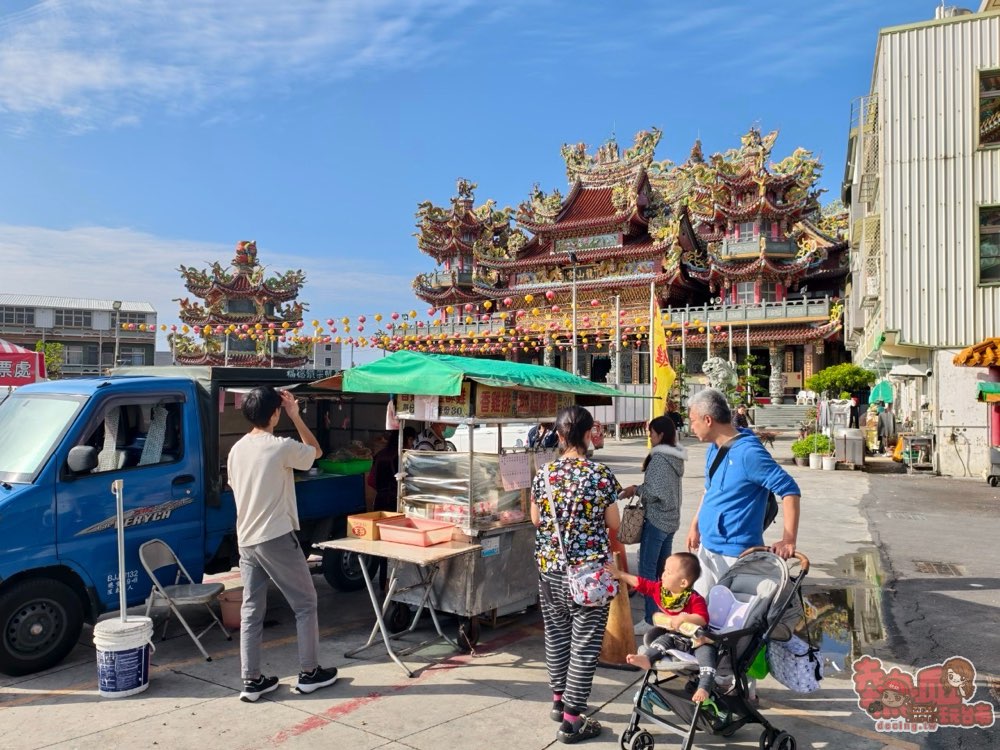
column 444, row 279
column 807, row 309
column 782, row 248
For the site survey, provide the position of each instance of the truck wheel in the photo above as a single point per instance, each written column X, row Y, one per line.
column 342, row 570
column 41, row 621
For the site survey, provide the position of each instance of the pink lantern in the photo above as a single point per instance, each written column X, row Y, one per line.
column 329, row 321
column 595, row 303
column 555, row 308
column 361, row 328
column 173, row 328
column 271, row 325
column 508, row 301
column 468, row 307
column 431, row 312
column 550, row 295
column 395, row 316
column 300, row 324
column 390, row 326
column 361, row 319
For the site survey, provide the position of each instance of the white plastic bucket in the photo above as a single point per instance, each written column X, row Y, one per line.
column 123, row 651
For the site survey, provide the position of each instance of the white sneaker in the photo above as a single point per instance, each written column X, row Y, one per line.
column 642, row 628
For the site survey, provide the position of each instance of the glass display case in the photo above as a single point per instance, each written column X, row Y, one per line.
column 461, row 488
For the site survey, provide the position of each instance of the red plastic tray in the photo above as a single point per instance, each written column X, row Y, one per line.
column 419, row 532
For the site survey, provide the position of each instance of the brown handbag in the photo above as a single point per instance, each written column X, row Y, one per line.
column 633, row 517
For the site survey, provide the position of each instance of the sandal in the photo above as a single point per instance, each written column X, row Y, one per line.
column 589, row 728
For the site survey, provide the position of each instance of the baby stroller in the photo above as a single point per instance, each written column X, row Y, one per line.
column 769, row 607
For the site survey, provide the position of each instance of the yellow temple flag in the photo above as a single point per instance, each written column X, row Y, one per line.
column 663, row 373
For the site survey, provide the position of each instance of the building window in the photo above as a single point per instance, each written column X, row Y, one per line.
column 768, row 291
column 136, row 319
column 989, row 108
column 80, row 354
column 745, row 293
column 132, row 356
column 17, row 316
column 989, row 245
column 73, row 319
column 746, row 229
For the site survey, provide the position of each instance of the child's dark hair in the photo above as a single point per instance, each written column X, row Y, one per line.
column 260, row 404
column 666, row 427
column 573, row 424
column 689, row 565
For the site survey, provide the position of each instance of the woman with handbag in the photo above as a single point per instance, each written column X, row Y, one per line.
column 661, row 498
column 573, row 507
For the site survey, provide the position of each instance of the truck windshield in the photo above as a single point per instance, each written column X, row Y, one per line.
column 30, row 427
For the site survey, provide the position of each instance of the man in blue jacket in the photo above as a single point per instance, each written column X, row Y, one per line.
column 731, row 515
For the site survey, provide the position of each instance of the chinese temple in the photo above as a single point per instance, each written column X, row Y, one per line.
column 733, row 250
column 244, row 316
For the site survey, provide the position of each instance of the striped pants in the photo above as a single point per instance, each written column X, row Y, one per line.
column 573, row 636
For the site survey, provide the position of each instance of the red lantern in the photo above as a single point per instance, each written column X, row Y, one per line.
column 550, row 295
column 468, row 307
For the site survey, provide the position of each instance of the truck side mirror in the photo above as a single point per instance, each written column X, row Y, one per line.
column 82, row 459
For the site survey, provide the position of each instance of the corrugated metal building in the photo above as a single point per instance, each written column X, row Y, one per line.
column 92, row 332
column 923, row 184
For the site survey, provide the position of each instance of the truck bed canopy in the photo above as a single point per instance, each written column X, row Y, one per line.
column 442, row 375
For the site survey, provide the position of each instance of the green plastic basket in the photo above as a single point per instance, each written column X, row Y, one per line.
column 356, row 466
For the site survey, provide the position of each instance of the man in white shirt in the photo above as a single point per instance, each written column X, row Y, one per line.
column 261, row 474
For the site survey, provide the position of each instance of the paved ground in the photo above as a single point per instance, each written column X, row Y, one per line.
column 864, row 533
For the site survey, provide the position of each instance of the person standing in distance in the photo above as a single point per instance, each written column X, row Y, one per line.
column 730, row 517
column 260, row 473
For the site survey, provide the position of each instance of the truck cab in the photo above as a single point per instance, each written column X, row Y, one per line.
column 166, row 437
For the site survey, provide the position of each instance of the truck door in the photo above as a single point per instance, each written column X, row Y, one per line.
column 152, row 443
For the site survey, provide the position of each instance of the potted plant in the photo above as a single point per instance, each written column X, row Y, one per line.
column 830, row 459
column 819, row 445
column 800, row 451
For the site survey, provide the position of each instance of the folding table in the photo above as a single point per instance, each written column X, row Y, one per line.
column 427, row 562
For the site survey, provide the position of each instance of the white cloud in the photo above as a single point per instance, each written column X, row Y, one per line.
column 109, row 61
column 115, row 263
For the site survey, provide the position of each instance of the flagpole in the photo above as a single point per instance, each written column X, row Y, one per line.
column 654, row 319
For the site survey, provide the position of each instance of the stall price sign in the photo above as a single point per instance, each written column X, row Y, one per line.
column 499, row 403
column 456, row 406
column 515, row 471
column 447, row 406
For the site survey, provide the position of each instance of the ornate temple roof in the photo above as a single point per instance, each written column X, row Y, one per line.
column 761, row 335
column 984, row 354
column 240, row 359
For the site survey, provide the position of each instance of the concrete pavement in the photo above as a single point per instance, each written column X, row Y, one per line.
column 498, row 696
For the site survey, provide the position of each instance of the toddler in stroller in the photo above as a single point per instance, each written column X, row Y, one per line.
column 679, row 624
column 755, row 601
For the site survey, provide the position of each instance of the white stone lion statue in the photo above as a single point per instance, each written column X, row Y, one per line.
column 720, row 373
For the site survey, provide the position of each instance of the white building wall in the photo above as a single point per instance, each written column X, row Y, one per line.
column 962, row 432
column 933, row 179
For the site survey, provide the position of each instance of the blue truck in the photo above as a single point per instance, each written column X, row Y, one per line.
column 166, row 433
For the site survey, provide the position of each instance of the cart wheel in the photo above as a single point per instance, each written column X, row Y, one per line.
column 767, row 738
column 468, row 634
column 994, row 480
column 783, row 741
column 398, row 618
column 642, row 740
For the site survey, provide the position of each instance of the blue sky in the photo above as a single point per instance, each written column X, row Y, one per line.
column 141, row 134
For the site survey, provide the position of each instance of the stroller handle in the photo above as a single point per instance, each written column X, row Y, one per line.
column 803, row 560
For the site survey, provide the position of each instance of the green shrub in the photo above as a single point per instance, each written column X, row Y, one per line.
column 815, row 443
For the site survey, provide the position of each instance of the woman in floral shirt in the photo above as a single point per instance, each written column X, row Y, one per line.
column 582, row 494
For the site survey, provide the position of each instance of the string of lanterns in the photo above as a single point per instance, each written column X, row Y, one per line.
column 517, row 328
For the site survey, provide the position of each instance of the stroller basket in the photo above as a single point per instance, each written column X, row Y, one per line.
column 770, row 589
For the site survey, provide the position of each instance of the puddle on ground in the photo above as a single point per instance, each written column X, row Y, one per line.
column 846, row 621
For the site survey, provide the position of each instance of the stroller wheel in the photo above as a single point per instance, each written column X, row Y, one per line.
column 641, row 740
column 784, row 741
column 766, row 738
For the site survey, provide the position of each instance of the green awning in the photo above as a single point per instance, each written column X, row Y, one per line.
column 988, row 392
column 442, row 375
column 881, row 391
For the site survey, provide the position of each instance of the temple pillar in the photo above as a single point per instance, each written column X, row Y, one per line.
column 776, row 382
column 548, row 353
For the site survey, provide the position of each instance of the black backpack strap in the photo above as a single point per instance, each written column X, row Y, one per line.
column 721, row 454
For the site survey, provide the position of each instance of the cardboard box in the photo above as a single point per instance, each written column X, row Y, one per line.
column 362, row 525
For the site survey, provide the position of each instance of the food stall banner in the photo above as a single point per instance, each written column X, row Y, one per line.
column 20, row 366
column 442, row 375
